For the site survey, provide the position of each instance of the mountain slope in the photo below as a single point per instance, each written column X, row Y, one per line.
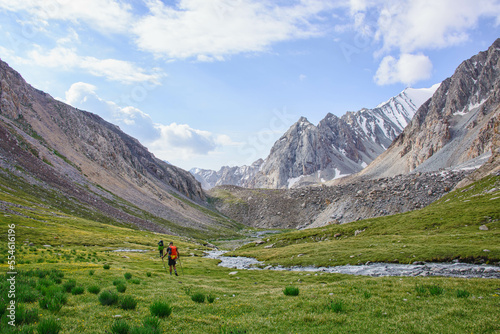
column 308, row 154
column 92, row 162
column 455, row 126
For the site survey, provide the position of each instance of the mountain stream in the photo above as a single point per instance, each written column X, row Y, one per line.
column 454, row 269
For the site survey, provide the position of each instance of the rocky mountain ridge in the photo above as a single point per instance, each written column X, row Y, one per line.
column 337, row 146
column 237, row 176
column 455, row 126
column 92, row 162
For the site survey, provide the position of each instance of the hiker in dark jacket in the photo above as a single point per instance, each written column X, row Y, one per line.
column 160, row 248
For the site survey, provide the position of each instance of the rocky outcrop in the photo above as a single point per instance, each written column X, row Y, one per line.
column 454, row 126
column 86, row 158
column 322, row 205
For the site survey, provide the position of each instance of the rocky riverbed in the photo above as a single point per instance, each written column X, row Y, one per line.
column 455, row 269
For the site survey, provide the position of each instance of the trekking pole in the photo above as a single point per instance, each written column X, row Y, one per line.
column 163, row 264
column 180, row 264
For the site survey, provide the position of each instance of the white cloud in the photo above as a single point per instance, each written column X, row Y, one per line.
column 181, row 140
column 111, row 69
column 415, row 25
column 408, row 26
column 211, row 30
column 106, row 16
column 171, row 142
column 408, row 69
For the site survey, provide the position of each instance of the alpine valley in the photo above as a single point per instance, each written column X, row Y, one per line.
column 412, row 182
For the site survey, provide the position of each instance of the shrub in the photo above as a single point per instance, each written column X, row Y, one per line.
column 91, row 272
column 120, row 327
column 121, row 288
column 127, row 276
column 148, row 274
column 210, row 299
column 135, row 281
column 462, row 294
column 77, row 290
column 108, row 298
column 198, row 297
column 160, row 309
column 94, row 289
column 106, row 266
column 69, row 285
column 367, row 294
column 48, row 326
column 291, row 291
column 128, row 303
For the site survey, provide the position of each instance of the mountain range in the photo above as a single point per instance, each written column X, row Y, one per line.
column 92, row 167
column 308, row 154
column 76, row 163
column 454, row 132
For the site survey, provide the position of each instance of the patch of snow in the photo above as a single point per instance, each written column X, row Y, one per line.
column 291, row 181
column 338, row 174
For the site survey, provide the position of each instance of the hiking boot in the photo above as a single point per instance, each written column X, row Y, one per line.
column 176, row 274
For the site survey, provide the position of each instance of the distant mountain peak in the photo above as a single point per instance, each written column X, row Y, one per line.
column 336, row 147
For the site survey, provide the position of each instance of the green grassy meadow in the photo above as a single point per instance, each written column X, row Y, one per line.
column 253, row 301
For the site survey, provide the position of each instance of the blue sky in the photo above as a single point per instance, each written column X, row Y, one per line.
column 207, row 83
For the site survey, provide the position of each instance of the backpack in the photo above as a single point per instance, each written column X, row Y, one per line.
column 173, row 252
column 160, row 245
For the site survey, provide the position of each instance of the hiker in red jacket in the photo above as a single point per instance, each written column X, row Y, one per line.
column 173, row 255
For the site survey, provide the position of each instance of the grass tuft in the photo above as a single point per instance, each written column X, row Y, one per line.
column 198, row 297
column 128, row 303
column 291, row 291
column 107, row 298
column 463, row 294
column 121, row 288
column 336, row 306
column 160, row 309
column 48, row 326
column 210, row 299
column 69, row 285
column 94, row 289
column 120, row 327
